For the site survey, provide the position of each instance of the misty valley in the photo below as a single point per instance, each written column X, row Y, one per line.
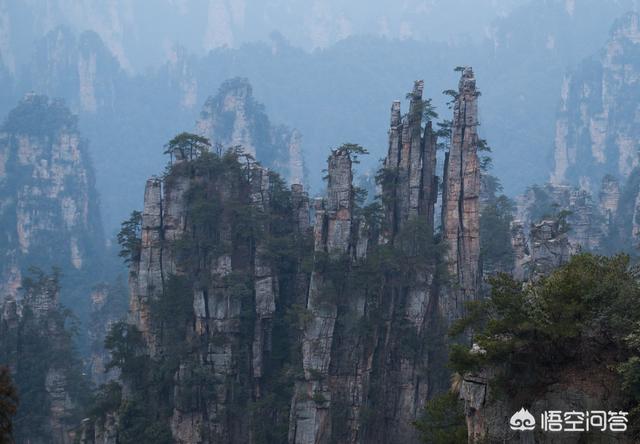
column 353, row 224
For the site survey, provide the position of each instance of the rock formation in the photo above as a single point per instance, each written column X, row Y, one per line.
column 50, row 215
column 310, row 412
column 335, row 336
column 39, row 350
column 549, row 248
column 488, row 418
column 597, row 127
column 521, row 252
column 234, row 118
column 208, row 232
column 411, row 159
column 108, row 306
column 78, row 67
column 390, row 373
column 609, row 198
column 593, row 219
column 460, row 200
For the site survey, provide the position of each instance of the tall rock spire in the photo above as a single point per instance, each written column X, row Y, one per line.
column 461, row 199
column 310, row 415
column 233, row 117
column 411, row 162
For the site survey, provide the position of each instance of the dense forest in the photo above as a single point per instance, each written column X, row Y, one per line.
column 273, row 241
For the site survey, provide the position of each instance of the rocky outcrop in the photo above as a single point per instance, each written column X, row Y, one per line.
column 234, row 118
column 300, row 205
column 207, row 238
column 461, row 200
column 183, row 78
column 581, row 389
column 597, row 126
column 591, row 219
column 521, row 252
column 546, row 247
column 39, row 350
column 310, row 409
column 147, row 276
column 391, row 372
column 49, row 213
column 411, row 161
column 78, row 67
column 550, row 248
column 358, row 302
column 108, row 305
column 609, row 199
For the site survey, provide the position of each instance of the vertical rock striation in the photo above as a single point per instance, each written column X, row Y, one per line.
column 521, row 253
column 38, row 349
column 597, row 126
column 461, row 195
column 208, row 232
column 49, row 214
column 310, row 409
column 234, row 118
column 609, row 198
column 366, row 337
column 550, row 248
column 411, row 163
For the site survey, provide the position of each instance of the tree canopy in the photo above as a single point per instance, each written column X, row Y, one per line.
column 187, row 146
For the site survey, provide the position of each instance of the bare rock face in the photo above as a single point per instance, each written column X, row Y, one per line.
column 234, row 118
column 521, row 252
column 49, row 210
column 108, row 305
column 581, row 389
column 182, row 73
column 310, row 410
column 300, row 204
column 597, row 127
column 206, row 236
column 80, row 68
column 146, row 277
column 411, row 160
column 609, row 198
column 550, row 248
column 461, row 196
column 39, row 352
column 367, row 335
column 590, row 221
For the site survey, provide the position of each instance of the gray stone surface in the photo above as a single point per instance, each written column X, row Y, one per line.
column 460, row 207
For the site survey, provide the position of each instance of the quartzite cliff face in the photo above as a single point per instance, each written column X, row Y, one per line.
column 206, row 230
column 327, row 333
column 50, row 220
column 461, row 200
column 234, row 118
column 39, row 350
column 597, row 126
column 49, row 201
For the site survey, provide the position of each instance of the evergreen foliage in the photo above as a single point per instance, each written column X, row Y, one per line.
column 41, row 345
column 221, row 220
column 130, row 238
column 532, row 334
column 496, row 215
column 8, row 405
column 495, row 234
column 187, row 146
column 442, row 421
column 38, row 115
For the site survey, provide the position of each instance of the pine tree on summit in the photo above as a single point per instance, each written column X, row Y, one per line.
column 187, row 145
